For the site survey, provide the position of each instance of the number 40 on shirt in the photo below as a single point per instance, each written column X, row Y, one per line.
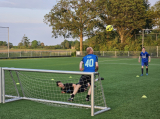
column 89, row 63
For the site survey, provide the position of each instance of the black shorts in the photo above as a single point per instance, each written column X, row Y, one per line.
column 84, row 80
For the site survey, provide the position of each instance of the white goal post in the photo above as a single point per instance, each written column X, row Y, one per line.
column 38, row 85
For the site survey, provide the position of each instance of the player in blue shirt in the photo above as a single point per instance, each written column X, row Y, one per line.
column 90, row 62
column 144, row 55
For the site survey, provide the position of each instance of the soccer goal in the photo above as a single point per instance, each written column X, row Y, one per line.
column 40, row 85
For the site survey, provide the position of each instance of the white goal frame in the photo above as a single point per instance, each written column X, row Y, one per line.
column 143, row 33
column 15, row 98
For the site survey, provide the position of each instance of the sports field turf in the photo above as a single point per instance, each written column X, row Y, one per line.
column 122, row 89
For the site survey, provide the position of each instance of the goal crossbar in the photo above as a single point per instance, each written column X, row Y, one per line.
column 50, row 71
column 15, row 98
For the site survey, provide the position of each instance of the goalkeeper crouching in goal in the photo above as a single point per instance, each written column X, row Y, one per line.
column 90, row 62
column 69, row 87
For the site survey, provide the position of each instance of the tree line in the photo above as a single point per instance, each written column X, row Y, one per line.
column 89, row 18
column 4, row 43
column 25, row 43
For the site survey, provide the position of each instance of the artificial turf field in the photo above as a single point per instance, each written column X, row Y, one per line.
column 122, row 89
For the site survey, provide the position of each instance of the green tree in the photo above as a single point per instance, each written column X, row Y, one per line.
column 72, row 44
column 24, row 41
column 76, row 44
column 67, row 45
column 34, row 44
column 73, row 18
column 63, row 44
column 20, row 44
column 3, row 43
column 10, row 45
column 58, row 47
column 39, row 43
column 124, row 15
column 156, row 13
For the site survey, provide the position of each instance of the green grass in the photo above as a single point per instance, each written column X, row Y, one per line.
column 122, row 89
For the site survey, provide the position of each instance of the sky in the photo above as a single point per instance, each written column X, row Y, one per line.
column 25, row 17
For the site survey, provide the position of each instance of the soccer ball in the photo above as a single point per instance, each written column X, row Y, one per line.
column 109, row 28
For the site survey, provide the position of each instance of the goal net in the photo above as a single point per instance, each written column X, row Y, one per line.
column 151, row 41
column 41, row 86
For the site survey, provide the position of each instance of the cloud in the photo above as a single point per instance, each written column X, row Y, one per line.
column 29, row 4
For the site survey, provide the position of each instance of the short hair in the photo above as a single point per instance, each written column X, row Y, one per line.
column 58, row 82
column 89, row 49
column 143, row 47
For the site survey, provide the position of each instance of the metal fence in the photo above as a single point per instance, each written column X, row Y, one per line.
column 34, row 54
column 111, row 53
column 154, row 51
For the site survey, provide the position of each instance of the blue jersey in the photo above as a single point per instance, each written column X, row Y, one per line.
column 144, row 56
column 89, row 62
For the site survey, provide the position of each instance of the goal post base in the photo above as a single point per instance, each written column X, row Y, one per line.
column 101, row 111
column 12, row 98
column 15, row 98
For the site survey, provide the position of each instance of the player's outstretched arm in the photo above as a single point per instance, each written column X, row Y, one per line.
column 80, row 66
column 139, row 58
column 149, row 58
column 97, row 67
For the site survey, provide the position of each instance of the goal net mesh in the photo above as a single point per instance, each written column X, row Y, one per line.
column 151, row 41
column 42, row 85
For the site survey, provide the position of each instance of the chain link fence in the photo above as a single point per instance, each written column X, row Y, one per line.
column 34, row 54
column 111, row 53
column 154, row 51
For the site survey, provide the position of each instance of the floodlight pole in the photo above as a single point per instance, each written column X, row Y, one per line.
column 8, row 41
column 142, row 37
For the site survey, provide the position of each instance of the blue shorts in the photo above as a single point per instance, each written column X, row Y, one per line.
column 144, row 63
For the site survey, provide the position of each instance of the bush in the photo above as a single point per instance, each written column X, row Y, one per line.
column 73, row 54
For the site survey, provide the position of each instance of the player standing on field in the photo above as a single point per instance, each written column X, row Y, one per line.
column 90, row 62
column 144, row 55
